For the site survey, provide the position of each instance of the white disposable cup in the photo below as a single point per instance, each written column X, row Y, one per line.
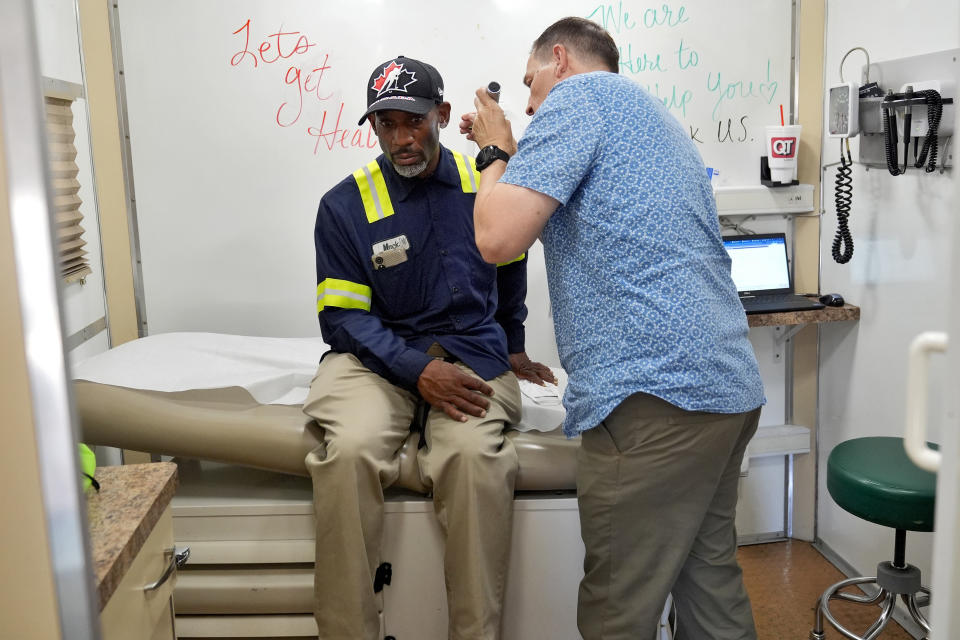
column 782, row 147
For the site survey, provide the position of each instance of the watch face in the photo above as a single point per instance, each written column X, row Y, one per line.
column 483, row 158
column 488, row 154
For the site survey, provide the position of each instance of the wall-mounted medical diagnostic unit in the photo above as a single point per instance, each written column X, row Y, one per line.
column 903, row 114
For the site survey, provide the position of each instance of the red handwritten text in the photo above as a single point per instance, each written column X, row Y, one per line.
column 306, row 79
column 295, row 76
column 282, row 41
column 282, row 45
column 336, row 138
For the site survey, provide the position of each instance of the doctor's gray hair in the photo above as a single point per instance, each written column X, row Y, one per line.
column 581, row 36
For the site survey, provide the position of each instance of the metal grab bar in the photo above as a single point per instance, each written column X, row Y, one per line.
column 915, row 437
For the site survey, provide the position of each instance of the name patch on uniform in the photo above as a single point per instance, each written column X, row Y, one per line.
column 400, row 242
column 389, row 258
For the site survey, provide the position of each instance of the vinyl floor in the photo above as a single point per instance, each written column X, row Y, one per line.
column 784, row 580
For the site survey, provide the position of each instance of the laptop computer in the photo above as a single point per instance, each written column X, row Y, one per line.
column 761, row 271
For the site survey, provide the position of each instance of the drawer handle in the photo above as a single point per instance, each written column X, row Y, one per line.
column 176, row 558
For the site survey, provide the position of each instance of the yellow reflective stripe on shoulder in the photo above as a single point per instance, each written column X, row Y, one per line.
column 469, row 176
column 517, row 259
column 344, row 294
column 373, row 192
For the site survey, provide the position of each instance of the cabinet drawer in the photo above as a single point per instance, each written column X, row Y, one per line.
column 131, row 611
column 276, row 626
column 246, row 527
column 245, row 590
column 248, row 551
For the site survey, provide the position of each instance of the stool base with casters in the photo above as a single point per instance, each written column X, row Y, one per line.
column 893, row 580
column 872, row 478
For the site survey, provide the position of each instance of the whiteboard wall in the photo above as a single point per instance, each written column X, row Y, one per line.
column 242, row 114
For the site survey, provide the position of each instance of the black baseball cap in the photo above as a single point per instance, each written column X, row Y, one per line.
column 403, row 84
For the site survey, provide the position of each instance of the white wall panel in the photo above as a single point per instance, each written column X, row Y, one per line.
column 899, row 274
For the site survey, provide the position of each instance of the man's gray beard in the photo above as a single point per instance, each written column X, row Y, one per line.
column 410, row 170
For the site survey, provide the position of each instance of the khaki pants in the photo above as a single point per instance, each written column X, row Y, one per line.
column 657, row 489
column 469, row 466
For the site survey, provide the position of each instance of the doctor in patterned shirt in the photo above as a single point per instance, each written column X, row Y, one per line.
column 663, row 383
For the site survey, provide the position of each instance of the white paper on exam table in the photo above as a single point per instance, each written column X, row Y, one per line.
column 542, row 406
column 272, row 370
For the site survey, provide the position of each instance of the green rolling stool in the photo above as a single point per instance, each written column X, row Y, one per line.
column 873, row 479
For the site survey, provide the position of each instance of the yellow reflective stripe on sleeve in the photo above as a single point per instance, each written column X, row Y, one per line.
column 473, row 167
column 517, row 259
column 373, row 192
column 467, row 168
column 344, row 294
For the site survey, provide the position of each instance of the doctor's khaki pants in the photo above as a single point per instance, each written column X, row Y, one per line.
column 657, row 488
column 470, row 467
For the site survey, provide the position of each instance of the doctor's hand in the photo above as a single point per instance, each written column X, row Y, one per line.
column 449, row 389
column 526, row 369
column 488, row 124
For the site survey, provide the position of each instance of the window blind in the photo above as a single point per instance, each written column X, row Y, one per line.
column 72, row 256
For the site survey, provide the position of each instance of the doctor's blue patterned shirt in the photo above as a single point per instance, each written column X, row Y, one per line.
column 639, row 280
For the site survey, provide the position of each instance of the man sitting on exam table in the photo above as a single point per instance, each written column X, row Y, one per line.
column 413, row 314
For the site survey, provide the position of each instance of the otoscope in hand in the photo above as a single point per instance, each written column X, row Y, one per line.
column 467, row 120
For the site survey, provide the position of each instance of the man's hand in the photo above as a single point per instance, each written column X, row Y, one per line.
column 526, row 369
column 466, row 125
column 488, row 125
column 448, row 388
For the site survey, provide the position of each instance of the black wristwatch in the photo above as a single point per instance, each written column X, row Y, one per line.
column 490, row 153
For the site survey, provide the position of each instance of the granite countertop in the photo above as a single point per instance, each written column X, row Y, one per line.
column 121, row 516
column 827, row 314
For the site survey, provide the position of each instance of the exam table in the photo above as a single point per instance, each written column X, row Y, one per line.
column 229, row 409
column 238, row 399
column 229, row 425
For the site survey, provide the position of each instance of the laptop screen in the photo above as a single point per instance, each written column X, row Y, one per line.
column 759, row 263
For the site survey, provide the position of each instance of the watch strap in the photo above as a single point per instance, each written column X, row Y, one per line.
column 489, row 154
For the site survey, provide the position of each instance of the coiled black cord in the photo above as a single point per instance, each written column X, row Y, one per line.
column 934, row 113
column 889, row 143
column 843, row 197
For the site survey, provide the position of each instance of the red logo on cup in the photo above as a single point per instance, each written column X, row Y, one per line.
column 783, row 147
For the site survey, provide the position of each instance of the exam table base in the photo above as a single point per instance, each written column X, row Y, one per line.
column 251, row 569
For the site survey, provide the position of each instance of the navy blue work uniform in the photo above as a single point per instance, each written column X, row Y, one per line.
column 398, row 270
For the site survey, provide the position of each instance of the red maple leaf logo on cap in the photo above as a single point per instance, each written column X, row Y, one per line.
column 393, row 78
column 385, row 75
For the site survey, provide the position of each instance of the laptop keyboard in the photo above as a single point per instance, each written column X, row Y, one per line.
column 779, row 302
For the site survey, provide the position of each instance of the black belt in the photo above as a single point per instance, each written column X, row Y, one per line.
column 436, row 350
